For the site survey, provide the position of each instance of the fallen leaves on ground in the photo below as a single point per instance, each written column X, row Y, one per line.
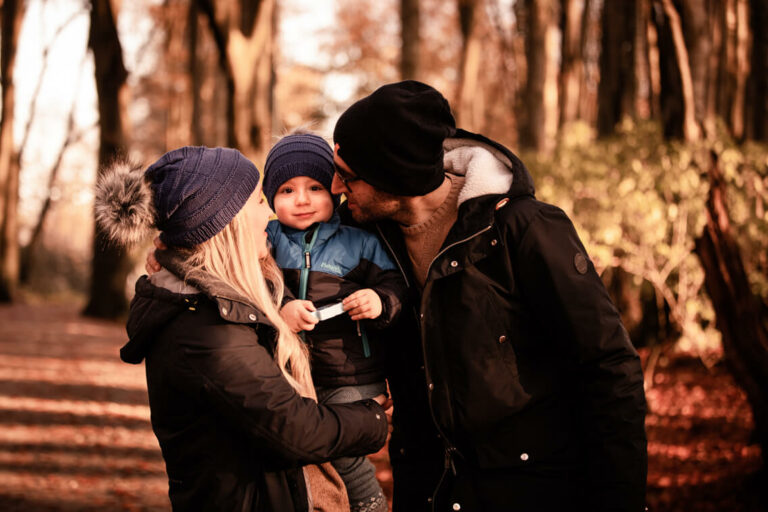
column 75, row 432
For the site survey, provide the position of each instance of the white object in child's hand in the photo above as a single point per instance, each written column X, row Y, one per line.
column 329, row 311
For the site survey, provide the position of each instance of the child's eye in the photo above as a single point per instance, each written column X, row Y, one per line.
column 317, row 188
column 286, row 190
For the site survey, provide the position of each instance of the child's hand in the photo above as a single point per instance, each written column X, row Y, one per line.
column 363, row 304
column 298, row 315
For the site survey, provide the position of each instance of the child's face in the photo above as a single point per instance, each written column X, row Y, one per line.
column 302, row 201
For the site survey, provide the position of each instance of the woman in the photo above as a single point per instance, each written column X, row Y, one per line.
column 230, row 391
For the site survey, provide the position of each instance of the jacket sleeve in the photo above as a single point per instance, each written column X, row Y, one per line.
column 572, row 306
column 383, row 277
column 238, row 377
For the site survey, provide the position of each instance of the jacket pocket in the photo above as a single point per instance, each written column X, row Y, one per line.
column 540, row 437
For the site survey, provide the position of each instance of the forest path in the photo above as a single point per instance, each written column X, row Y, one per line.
column 75, row 432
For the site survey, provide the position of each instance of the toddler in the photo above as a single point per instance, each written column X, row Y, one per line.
column 326, row 263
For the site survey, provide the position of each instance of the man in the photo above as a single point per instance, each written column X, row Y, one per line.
column 515, row 384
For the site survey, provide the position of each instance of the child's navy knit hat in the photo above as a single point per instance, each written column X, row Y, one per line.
column 299, row 154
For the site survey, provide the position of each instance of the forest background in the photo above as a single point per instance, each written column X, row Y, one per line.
column 645, row 120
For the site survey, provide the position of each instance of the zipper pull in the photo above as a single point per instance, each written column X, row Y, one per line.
column 307, row 260
column 357, row 324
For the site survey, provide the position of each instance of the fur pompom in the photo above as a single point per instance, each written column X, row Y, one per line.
column 124, row 208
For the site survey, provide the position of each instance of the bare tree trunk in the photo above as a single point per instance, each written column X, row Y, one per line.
column 698, row 41
column 220, row 33
column 727, row 70
column 194, row 74
column 244, row 32
column 654, row 66
column 410, row 37
column 469, row 104
column 72, row 137
column 616, row 90
column 111, row 264
column 744, row 333
column 642, row 66
column 12, row 15
column 716, row 18
column 743, row 53
column 541, row 92
column 758, row 79
column 572, row 60
column 590, row 51
column 690, row 127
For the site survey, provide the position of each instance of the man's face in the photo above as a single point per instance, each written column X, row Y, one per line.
column 366, row 203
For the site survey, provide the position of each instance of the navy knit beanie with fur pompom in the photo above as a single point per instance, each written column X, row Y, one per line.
column 190, row 194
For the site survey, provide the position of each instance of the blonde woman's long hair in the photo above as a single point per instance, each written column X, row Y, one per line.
column 232, row 256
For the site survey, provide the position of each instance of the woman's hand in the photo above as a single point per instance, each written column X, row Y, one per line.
column 152, row 264
column 363, row 304
column 298, row 315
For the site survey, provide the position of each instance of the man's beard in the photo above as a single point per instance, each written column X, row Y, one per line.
column 376, row 210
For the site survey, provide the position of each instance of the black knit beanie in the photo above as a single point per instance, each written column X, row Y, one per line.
column 300, row 154
column 197, row 191
column 393, row 138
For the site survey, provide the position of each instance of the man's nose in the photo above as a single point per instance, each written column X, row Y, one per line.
column 337, row 186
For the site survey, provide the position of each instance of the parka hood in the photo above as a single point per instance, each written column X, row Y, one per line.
column 162, row 297
column 488, row 167
column 152, row 308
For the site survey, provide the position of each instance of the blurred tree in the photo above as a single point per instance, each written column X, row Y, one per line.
column 244, row 31
column 645, row 103
column 742, row 68
column 541, row 95
column 572, row 26
column 757, row 124
column 195, row 73
column 12, row 15
column 616, row 91
column 410, row 35
column 469, row 105
column 72, row 136
column 111, row 263
column 677, row 91
column 696, row 29
column 740, row 317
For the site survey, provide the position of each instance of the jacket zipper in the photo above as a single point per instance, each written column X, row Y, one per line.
column 364, row 336
column 450, row 449
column 304, row 275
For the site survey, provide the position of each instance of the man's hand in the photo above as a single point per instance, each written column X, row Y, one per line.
column 152, row 265
column 386, row 403
column 298, row 315
column 363, row 304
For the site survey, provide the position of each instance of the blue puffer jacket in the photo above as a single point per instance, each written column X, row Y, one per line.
column 324, row 264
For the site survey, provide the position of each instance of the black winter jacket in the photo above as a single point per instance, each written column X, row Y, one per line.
column 515, row 384
column 232, row 430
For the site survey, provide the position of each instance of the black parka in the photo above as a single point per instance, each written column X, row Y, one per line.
column 515, row 384
column 232, row 430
